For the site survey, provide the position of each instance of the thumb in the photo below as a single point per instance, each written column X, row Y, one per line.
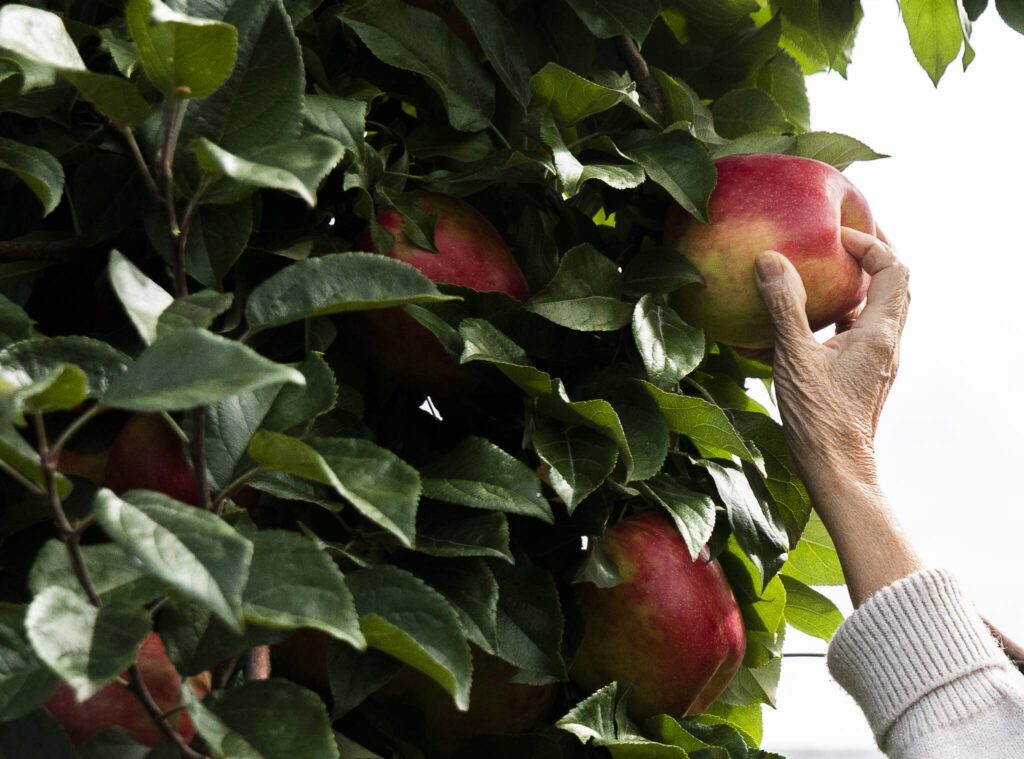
column 784, row 296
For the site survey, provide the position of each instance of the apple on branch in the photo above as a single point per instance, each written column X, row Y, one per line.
column 764, row 201
column 114, row 705
column 470, row 253
column 671, row 634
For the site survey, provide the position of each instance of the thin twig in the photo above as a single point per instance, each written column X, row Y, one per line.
column 138, row 687
column 641, row 73
column 22, row 480
column 40, row 250
column 140, row 162
column 257, row 663
column 233, row 487
column 72, row 429
column 198, row 448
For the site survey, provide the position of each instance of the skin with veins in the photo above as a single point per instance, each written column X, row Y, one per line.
column 769, row 202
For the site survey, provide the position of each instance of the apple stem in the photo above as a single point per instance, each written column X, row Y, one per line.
column 641, row 72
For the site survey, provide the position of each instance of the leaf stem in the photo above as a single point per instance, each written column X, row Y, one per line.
column 234, row 486
column 499, row 135
column 22, row 480
column 72, row 429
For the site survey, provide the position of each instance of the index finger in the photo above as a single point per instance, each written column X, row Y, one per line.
column 889, row 294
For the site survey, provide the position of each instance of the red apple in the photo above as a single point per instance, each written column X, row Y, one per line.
column 470, row 253
column 769, row 202
column 114, row 705
column 497, row 706
column 671, row 634
column 148, row 454
column 88, row 466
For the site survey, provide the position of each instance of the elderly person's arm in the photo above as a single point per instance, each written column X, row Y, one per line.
column 931, row 679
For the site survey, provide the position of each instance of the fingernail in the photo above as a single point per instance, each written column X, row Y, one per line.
column 768, row 266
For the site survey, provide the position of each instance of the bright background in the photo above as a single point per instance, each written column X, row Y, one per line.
column 951, row 201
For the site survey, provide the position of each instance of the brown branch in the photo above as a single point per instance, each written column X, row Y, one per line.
column 40, row 250
column 138, row 687
column 641, row 73
column 257, row 663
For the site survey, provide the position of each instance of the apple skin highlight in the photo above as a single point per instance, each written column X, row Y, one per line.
column 764, row 201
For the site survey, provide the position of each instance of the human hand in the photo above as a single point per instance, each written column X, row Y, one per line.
column 831, row 395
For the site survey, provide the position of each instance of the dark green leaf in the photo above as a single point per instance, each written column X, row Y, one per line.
column 704, row 423
column 402, row 616
column 693, row 512
column 297, row 405
column 143, row 299
column 195, row 310
column 571, row 97
column 114, row 574
column 39, row 170
column 223, row 742
column 35, row 736
column 340, row 118
column 442, row 531
column 354, row 675
column 481, row 475
column 782, row 78
column 394, row 32
column 739, row 112
column 294, row 584
column 334, row 284
column 183, row 56
column 530, row 621
column 500, row 43
column 25, row 682
column 579, row 458
column 470, row 588
column 683, row 104
column 584, row 294
column 214, row 368
column 669, row 347
column 659, row 271
column 86, row 646
column 670, row 160
column 192, row 550
column 614, row 18
column 15, row 324
column 836, row 149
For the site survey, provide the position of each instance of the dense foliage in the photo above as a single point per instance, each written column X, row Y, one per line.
column 186, row 191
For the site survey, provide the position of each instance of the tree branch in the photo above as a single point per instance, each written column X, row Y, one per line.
column 641, row 73
column 40, row 250
column 257, row 663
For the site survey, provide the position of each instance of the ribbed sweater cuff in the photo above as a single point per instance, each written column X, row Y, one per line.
column 907, row 640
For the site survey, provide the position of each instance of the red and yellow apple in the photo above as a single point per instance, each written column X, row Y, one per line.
column 764, row 201
column 114, row 705
column 148, row 454
column 671, row 634
column 470, row 253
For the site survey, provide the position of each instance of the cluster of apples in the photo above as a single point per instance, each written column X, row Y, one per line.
column 671, row 633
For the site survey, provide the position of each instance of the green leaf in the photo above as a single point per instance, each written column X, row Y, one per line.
column 584, row 294
column 480, row 475
column 530, row 621
column 594, row 716
column 15, row 323
column 379, row 484
column 742, row 111
column 217, row 368
column 704, row 423
column 194, row 311
column 36, row 735
column 1012, row 12
column 669, row 347
column 838, row 150
column 570, row 97
column 693, row 512
column 293, row 584
column 343, row 119
column 40, row 171
column 484, row 342
column 471, row 589
column 25, row 682
column 86, row 646
column 143, row 299
column 395, row 32
column 822, row 29
column 296, row 167
column 814, row 560
column 659, row 271
column 683, row 104
column 614, row 18
column 809, row 611
column 115, row 576
column 17, row 454
column 598, row 569
column 40, row 37
column 500, row 43
column 643, row 425
column 580, row 460
column 277, row 718
column 192, row 550
column 935, row 33
column 334, row 284
column 354, row 675
column 183, row 56
column 297, row 405
column 223, row 742
column 753, row 519
column 671, row 161
column 442, row 531
column 404, row 617
column 782, row 78
column 261, row 102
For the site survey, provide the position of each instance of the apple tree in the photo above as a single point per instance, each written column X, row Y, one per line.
column 347, row 496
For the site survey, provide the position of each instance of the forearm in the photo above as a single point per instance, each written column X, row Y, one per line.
column 872, row 547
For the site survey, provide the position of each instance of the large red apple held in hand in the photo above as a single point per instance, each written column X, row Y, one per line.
column 764, row 201
column 470, row 253
column 114, row 705
column 148, row 454
column 671, row 634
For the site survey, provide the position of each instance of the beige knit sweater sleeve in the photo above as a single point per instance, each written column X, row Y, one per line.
column 931, row 679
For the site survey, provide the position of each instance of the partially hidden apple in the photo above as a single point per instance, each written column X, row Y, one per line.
column 671, row 634
column 765, row 201
column 114, row 705
column 148, row 454
column 470, row 253
column 497, row 705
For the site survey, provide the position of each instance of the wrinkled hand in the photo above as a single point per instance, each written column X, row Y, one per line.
column 830, row 395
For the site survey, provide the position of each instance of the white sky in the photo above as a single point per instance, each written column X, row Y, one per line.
column 950, row 200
